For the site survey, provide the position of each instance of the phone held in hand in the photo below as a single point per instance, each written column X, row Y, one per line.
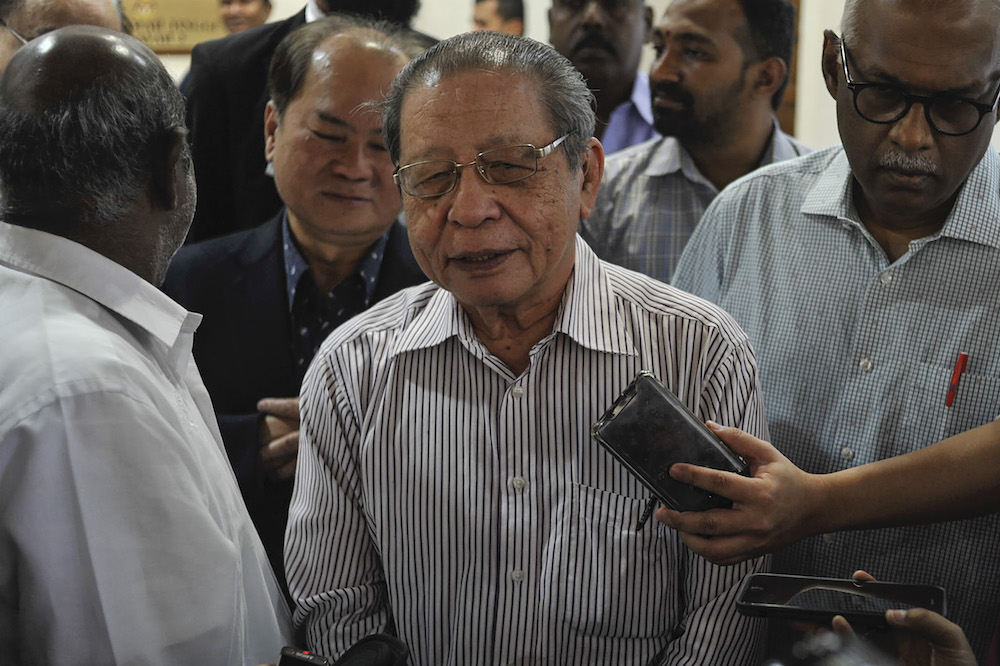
column 818, row 600
column 648, row 429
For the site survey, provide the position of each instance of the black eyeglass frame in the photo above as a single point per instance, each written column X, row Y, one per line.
column 539, row 153
column 16, row 34
column 927, row 101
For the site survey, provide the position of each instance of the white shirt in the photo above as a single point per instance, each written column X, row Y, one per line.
column 469, row 506
column 123, row 537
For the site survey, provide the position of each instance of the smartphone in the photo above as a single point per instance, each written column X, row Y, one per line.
column 820, row 599
column 648, row 429
column 294, row 657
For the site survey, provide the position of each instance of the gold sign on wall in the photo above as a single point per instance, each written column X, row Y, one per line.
column 174, row 26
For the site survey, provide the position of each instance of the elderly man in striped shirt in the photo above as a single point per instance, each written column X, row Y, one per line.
column 448, row 486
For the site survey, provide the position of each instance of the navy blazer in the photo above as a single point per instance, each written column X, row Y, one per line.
column 227, row 93
column 244, row 345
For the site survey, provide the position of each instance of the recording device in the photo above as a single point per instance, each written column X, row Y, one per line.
column 293, row 657
column 820, row 599
column 648, row 429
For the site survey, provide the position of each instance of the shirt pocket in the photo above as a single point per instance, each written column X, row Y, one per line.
column 604, row 578
column 977, row 401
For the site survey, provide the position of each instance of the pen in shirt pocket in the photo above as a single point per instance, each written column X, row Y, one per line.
column 651, row 504
column 961, row 363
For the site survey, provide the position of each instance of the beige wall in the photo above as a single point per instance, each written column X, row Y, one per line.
column 815, row 120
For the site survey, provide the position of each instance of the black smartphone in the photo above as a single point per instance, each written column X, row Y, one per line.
column 819, row 599
column 649, row 429
column 294, row 657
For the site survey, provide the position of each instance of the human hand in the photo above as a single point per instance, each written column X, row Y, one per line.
column 279, row 436
column 778, row 505
column 920, row 638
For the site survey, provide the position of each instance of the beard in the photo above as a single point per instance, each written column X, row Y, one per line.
column 707, row 121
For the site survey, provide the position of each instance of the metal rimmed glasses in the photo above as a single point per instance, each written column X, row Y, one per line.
column 497, row 166
column 13, row 32
column 946, row 113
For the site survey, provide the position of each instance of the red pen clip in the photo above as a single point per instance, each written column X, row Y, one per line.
column 960, row 364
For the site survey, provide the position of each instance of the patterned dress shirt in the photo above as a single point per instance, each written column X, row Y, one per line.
column 857, row 352
column 315, row 314
column 467, row 505
column 652, row 198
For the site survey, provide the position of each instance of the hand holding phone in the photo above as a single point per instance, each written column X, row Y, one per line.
column 648, row 429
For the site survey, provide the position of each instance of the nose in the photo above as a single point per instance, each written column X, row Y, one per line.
column 352, row 162
column 666, row 68
column 473, row 200
column 912, row 132
column 593, row 14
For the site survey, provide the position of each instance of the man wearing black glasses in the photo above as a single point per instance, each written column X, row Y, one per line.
column 868, row 279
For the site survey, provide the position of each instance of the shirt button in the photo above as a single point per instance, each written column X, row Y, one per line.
column 519, row 483
column 865, row 365
column 828, row 538
column 847, row 453
column 885, row 278
column 517, row 392
column 517, row 575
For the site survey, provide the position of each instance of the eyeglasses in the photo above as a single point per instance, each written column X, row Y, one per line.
column 946, row 113
column 14, row 32
column 499, row 166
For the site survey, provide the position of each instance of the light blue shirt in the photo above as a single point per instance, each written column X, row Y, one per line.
column 651, row 199
column 632, row 121
column 857, row 352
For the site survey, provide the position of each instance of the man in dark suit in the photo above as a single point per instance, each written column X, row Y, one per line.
column 271, row 294
column 227, row 92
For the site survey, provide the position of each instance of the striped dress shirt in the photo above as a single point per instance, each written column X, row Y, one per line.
column 468, row 506
column 857, row 352
column 651, row 199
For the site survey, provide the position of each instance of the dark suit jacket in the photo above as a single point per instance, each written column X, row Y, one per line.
column 244, row 345
column 227, row 93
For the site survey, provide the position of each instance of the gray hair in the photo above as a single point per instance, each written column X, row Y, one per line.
column 87, row 156
column 568, row 102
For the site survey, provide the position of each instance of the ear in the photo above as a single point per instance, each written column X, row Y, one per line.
column 770, row 74
column 549, row 15
column 647, row 19
column 168, row 170
column 593, row 171
column 832, row 67
column 271, row 125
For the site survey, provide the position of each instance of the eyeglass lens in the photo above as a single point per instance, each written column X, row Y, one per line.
column 949, row 115
column 499, row 166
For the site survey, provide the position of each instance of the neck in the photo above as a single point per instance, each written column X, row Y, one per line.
column 740, row 151
column 510, row 335
column 330, row 261
column 610, row 98
column 894, row 229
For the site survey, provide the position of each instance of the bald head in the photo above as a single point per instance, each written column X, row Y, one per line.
column 950, row 11
column 31, row 18
column 93, row 147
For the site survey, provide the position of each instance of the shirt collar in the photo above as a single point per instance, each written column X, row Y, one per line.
column 641, row 98
column 975, row 217
column 102, row 280
column 588, row 313
column 296, row 266
column 313, row 12
column 670, row 156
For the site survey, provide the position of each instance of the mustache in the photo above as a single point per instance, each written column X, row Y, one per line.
column 594, row 40
column 898, row 160
column 671, row 91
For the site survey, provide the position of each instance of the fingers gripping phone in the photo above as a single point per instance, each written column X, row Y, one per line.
column 648, row 429
column 820, row 599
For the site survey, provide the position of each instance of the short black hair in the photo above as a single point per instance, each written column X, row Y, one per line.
column 291, row 60
column 771, row 27
column 509, row 9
